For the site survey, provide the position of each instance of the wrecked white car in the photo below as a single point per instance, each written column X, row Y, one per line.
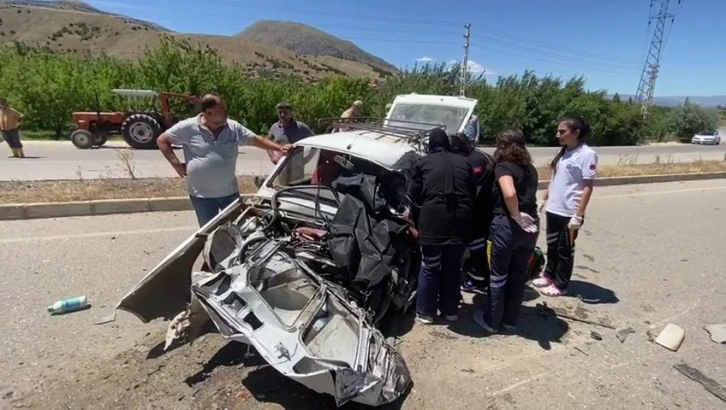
column 306, row 268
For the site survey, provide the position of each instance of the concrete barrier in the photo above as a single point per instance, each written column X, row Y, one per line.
column 175, row 204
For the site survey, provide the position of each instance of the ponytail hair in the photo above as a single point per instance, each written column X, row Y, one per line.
column 575, row 123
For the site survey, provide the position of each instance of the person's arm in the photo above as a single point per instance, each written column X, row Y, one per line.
column 178, row 134
column 589, row 173
column 272, row 155
column 305, row 131
column 509, row 193
column 18, row 115
column 415, row 188
column 247, row 137
column 267, row 144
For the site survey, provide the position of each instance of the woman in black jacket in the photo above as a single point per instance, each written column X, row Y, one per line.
column 442, row 185
column 513, row 233
column 476, row 266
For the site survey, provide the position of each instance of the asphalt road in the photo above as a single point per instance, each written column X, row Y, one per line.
column 61, row 160
column 648, row 255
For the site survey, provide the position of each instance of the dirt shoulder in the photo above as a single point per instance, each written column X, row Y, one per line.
column 18, row 192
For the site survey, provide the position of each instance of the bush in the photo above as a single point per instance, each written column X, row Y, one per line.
column 49, row 86
column 689, row 119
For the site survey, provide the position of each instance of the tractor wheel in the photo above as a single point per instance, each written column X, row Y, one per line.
column 100, row 139
column 141, row 131
column 82, row 139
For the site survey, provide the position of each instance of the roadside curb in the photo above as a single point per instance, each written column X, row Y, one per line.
column 10, row 212
column 649, row 179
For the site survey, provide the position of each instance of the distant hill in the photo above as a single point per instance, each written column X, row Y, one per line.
column 304, row 39
column 78, row 28
column 709, row 101
column 78, row 6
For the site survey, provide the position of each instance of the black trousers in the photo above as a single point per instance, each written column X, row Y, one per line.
column 12, row 137
column 510, row 249
column 476, row 265
column 560, row 250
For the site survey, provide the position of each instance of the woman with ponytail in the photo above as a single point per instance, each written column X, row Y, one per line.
column 573, row 173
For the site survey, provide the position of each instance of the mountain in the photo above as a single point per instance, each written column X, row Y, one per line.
column 708, row 101
column 78, row 28
column 77, row 6
column 304, row 39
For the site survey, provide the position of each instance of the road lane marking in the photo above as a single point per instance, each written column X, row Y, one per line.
column 675, row 191
column 190, row 229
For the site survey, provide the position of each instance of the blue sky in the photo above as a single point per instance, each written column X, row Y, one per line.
column 604, row 40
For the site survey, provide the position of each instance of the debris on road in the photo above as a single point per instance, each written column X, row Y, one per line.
column 106, row 319
column 708, row 383
column 68, row 305
column 671, row 337
column 546, row 311
column 623, row 334
column 717, row 333
column 595, row 335
column 581, row 351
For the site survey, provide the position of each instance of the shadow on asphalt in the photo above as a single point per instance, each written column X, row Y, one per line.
column 591, row 293
column 532, row 325
column 231, row 354
column 268, row 386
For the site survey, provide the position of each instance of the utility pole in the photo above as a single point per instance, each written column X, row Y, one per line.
column 465, row 62
column 646, row 87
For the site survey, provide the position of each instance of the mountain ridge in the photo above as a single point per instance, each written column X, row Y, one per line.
column 304, row 39
column 77, row 28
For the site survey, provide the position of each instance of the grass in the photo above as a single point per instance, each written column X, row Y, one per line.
column 18, row 192
column 14, row 192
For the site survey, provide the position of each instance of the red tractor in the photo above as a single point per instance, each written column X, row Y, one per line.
column 139, row 129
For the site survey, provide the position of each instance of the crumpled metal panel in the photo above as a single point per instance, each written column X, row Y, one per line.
column 378, row 374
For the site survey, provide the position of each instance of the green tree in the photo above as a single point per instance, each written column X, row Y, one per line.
column 688, row 119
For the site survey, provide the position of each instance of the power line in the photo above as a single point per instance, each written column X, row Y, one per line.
column 555, row 62
column 548, row 45
column 564, row 56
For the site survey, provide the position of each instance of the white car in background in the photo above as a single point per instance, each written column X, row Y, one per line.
column 706, row 138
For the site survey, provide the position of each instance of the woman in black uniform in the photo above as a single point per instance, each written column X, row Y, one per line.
column 513, row 232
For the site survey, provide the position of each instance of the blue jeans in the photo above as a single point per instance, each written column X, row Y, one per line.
column 208, row 208
column 439, row 280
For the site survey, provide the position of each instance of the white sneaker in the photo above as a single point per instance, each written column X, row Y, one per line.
column 542, row 282
column 426, row 320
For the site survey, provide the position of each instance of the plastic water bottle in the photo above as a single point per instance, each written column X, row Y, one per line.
column 68, row 305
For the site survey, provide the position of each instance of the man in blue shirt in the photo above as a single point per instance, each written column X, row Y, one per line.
column 210, row 142
column 288, row 131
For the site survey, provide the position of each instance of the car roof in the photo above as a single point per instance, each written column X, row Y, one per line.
column 379, row 148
